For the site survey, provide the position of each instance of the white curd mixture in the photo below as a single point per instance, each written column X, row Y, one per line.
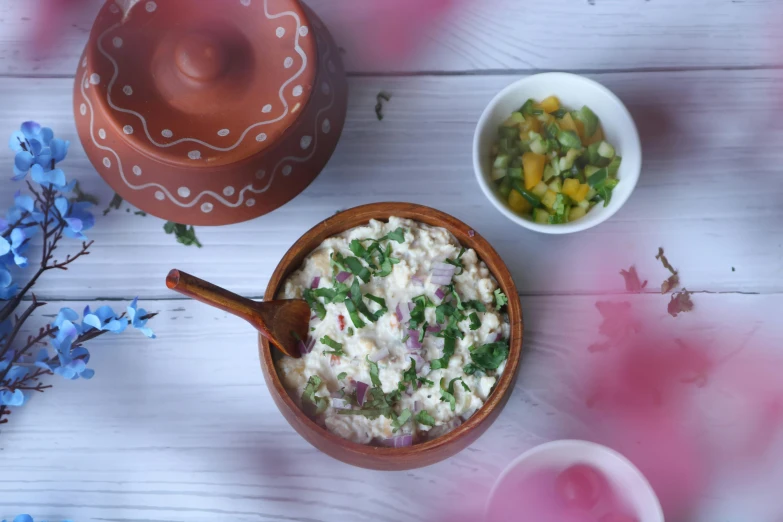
column 407, row 338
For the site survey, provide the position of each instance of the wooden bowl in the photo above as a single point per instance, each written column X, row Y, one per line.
column 209, row 112
column 432, row 451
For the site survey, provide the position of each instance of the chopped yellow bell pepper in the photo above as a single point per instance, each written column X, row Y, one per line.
column 551, row 104
column 576, row 213
column 581, row 194
column 598, row 137
column 580, row 129
column 570, row 187
column 518, row 203
column 567, row 123
column 533, row 165
column 549, row 199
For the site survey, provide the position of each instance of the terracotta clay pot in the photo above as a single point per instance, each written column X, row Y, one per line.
column 209, row 112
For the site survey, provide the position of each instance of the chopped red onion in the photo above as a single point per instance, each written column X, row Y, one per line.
column 413, row 343
column 316, row 282
column 471, row 233
column 425, row 369
column 499, row 337
column 306, row 347
column 417, row 358
column 409, row 390
column 380, row 355
column 441, row 280
column 401, row 441
column 416, row 406
column 443, row 267
column 361, row 392
column 403, row 313
column 342, row 276
column 341, row 404
column 336, row 394
column 418, row 280
column 440, row 294
column 433, row 328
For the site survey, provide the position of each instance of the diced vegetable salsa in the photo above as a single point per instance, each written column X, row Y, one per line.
column 553, row 165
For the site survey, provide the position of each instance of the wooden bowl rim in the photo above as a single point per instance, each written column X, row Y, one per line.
column 351, row 218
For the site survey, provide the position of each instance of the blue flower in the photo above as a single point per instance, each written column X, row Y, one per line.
column 67, row 314
column 104, row 319
column 48, row 178
column 65, row 337
column 70, row 363
column 11, row 398
column 18, row 246
column 136, row 319
column 28, row 518
column 24, row 211
column 7, row 288
column 35, row 145
column 79, row 220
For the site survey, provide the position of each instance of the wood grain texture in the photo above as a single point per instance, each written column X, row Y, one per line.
column 182, row 428
column 709, row 192
column 492, row 35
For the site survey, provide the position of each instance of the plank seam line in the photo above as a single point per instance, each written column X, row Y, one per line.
column 42, row 298
column 490, row 72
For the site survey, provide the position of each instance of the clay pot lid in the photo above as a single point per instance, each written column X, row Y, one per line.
column 201, row 83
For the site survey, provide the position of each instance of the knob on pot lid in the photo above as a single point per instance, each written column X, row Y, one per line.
column 201, row 83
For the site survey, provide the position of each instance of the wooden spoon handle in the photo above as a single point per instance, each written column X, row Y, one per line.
column 213, row 295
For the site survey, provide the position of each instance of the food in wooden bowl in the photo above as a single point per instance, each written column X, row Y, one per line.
column 553, row 165
column 413, row 349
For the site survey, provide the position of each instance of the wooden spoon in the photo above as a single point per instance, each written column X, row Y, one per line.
column 283, row 323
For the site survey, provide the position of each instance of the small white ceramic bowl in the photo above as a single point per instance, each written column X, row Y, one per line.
column 574, row 92
column 623, row 477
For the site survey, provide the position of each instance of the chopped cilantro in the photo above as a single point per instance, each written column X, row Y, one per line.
column 336, row 348
column 447, row 393
column 500, row 299
column 315, row 305
column 341, row 376
column 425, row 418
column 349, row 332
column 401, row 419
column 356, row 268
column 337, row 261
column 376, row 380
column 475, row 305
column 361, row 306
column 464, row 386
column 380, row 301
column 423, row 331
column 475, row 323
column 421, row 302
column 312, row 404
column 457, row 262
column 185, row 235
column 487, row 357
column 353, row 314
column 396, row 235
column 448, row 350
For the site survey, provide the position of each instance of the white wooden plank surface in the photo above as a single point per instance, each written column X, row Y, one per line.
column 182, row 428
column 710, row 190
column 494, row 35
